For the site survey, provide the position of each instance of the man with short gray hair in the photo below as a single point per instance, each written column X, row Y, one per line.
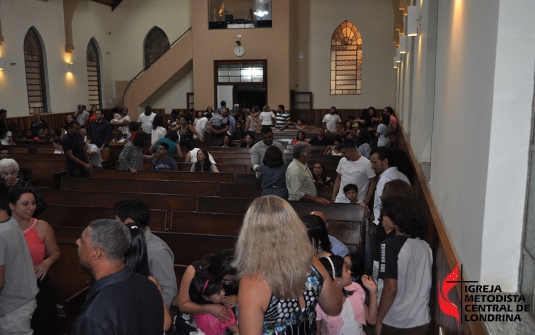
column 120, row 301
column 299, row 179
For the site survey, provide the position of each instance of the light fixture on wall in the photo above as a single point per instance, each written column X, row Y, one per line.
column 398, row 55
column 69, row 67
column 395, row 62
column 1, row 64
column 402, row 44
column 413, row 21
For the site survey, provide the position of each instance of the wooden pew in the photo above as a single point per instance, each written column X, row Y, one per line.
column 163, row 175
column 42, row 170
column 191, row 247
column 107, row 199
column 183, row 167
column 206, row 223
column 196, row 188
column 346, row 221
column 37, row 156
column 71, row 282
column 247, row 179
column 81, row 216
column 223, row 205
column 235, row 190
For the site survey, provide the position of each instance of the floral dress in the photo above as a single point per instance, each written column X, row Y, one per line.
column 287, row 317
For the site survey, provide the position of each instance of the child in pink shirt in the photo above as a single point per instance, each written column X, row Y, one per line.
column 355, row 312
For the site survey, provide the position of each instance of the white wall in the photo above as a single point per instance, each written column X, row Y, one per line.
column 424, row 53
column 133, row 19
column 508, row 159
column 485, row 53
column 65, row 91
column 173, row 95
column 317, row 20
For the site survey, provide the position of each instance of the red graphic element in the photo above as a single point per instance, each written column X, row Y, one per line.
column 446, row 306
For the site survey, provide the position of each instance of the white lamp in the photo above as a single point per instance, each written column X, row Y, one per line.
column 412, row 21
column 395, row 63
column 69, row 67
column 402, row 44
column 1, row 64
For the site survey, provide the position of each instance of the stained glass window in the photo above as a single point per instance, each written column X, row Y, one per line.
column 93, row 74
column 156, row 43
column 346, row 60
column 35, row 73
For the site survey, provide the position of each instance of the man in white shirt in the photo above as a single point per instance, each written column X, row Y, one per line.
column 331, row 121
column 81, row 116
column 381, row 160
column 259, row 149
column 145, row 120
column 353, row 169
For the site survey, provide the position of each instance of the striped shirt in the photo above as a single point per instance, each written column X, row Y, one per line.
column 282, row 119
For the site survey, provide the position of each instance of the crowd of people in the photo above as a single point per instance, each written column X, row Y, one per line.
column 286, row 275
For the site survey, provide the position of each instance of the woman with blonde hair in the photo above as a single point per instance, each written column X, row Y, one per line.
column 281, row 281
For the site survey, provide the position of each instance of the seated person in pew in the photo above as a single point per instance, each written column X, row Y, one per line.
column 238, row 133
column 248, row 141
column 219, row 267
column 319, row 174
column 300, row 137
column 227, row 142
column 203, row 163
column 160, row 256
column 162, row 162
column 45, row 252
column 136, row 259
column 120, row 301
column 321, row 139
column 337, row 247
column 9, row 170
column 171, row 138
column 4, row 153
column 191, row 156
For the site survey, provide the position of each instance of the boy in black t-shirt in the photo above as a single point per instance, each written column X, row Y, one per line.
column 405, row 268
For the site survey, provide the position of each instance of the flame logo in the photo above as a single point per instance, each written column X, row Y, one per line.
column 446, row 306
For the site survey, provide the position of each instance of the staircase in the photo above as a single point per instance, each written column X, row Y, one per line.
column 158, row 73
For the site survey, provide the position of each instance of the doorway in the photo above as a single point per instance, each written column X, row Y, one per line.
column 241, row 82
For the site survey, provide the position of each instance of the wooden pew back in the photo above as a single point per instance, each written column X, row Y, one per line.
column 81, row 216
column 107, row 199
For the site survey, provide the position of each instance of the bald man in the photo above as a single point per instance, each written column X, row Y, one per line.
column 337, row 247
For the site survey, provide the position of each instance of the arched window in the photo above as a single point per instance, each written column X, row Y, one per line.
column 156, row 43
column 93, row 73
column 35, row 72
column 346, row 60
